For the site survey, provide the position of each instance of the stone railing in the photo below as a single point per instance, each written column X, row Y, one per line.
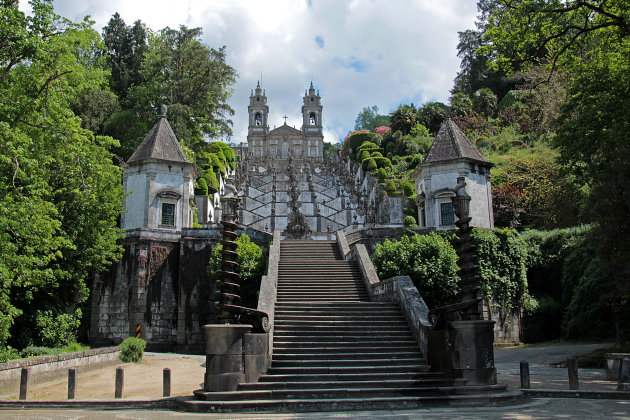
column 396, row 289
column 44, row 368
column 269, row 286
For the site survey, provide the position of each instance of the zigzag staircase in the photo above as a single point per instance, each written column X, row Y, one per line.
column 334, row 349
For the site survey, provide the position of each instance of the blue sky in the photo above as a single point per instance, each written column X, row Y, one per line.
column 357, row 52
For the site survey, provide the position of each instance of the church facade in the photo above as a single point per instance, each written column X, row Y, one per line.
column 285, row 141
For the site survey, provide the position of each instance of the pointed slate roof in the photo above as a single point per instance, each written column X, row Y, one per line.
column 160, row 143
column 450, row 143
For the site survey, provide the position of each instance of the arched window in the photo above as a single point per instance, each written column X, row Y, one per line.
column 312, row 119
column 258, row 119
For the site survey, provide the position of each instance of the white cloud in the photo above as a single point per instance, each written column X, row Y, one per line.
column 358, row 53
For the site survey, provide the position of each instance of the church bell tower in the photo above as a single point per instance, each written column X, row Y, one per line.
column 312, row 123
column 258, row 125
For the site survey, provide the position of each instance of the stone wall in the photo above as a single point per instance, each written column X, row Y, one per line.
column 162, row 286
column 45, row 368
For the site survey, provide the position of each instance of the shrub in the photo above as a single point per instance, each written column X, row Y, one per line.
column 429, row 260
column 390, row 188
column 410, row 221
column 407, row 188
column 57, row 330
column 201, row 187
column 131, row 349
column 376, row 154
column 8, row 353
column 212, row 181
column 364, row 155
column 381, row 174
column 369, row 165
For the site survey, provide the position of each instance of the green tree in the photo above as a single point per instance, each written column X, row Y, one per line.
column 431, row 115
column 369, row 119
column 193, row 79
column 403, row 119
column 60, row 193
column 590, row 42
column 125, row 47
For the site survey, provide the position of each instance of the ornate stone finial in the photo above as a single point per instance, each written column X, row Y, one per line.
column 163, row 111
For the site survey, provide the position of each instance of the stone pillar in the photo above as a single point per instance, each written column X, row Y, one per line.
column 256, row 356
column 472, row 356
column 225, row 367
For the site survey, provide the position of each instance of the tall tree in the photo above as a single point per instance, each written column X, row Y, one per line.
column 590, row 41
column 60, row 193
column 403, row 119
column 369, row 119
column 125, row 48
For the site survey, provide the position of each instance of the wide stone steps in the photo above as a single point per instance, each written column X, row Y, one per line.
column 416, row 379
column 333, row 393
column 335, row 350
column 483, row 398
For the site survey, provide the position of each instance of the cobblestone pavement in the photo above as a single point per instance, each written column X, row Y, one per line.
column 537, row 409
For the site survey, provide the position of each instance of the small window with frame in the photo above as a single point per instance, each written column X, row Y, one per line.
column 447, row 214
column 168, row 214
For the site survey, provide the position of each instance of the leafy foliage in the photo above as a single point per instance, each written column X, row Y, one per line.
column 502, row 257
column 251, row 268
column 429, row 260
column 60, row 193
column 132, row 349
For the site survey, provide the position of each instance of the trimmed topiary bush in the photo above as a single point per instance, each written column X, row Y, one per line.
column 201, row 187
column 410, row 221
column 132, row 349
column 407, row 188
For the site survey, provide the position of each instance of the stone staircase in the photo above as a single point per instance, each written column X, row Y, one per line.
column 335, row 350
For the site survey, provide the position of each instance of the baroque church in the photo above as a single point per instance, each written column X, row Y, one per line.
column 160, row 288
column 285, row 141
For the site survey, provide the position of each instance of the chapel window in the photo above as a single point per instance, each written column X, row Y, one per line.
column 312, row 118
column 447, row 214
column 258, row 119
column 168, row 214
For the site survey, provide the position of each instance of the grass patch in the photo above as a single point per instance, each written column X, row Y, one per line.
column 597, row 358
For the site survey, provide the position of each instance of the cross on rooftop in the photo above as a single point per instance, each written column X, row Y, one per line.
column 285, row 119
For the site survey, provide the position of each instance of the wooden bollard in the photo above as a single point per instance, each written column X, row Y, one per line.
column 120, row 379
column 525, row 382
column 572, row 366
column 72, row 383
column 166, row 382
column 24, row 383
column 624, row 375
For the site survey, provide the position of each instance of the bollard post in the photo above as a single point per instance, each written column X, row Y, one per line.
column 24, row 383
column 624, row 375
column 120, row 379
column 72, row 383
column 525, row 382
column 572, row 366
column 166, row 382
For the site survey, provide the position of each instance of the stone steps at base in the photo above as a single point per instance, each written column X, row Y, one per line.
column 362, row 403
column 318, row 363
column 428, row 379
column 328, row 393
column 347, row 356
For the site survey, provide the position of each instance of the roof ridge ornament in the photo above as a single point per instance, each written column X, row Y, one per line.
column 163, row 111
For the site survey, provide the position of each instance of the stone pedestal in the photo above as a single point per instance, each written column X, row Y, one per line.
column 233, row 356
column 225, row 367
column 472, row 354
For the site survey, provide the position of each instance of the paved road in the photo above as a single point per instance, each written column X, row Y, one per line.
column 538, row 409
column 544, row 355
